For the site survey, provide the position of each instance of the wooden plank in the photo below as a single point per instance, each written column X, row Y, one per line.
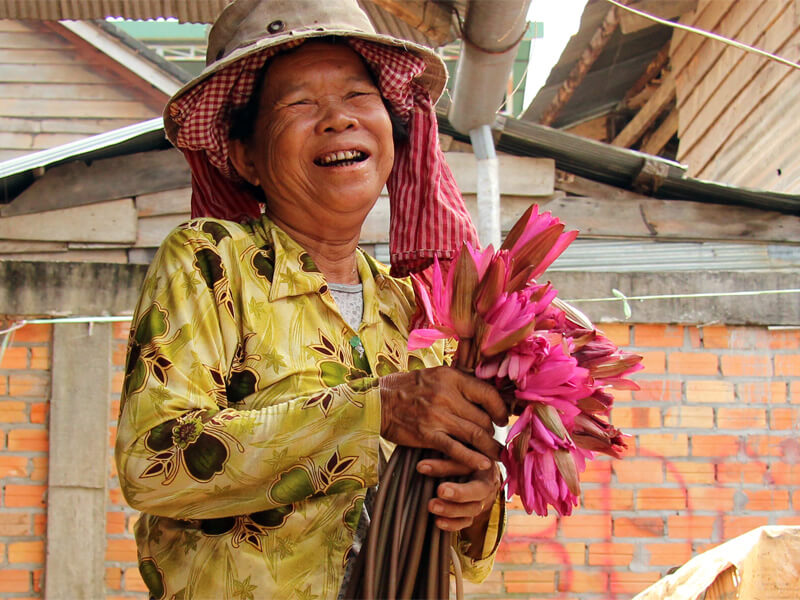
column 12, row 26
column 77, row 184
column 37, row 141
column 153, row 230
column 580, row 186
column 684, row 45
column 90, row 126
column 65, row 91
column 16, row 141
column 50, row 74
column 9, row 154
column 35, row 56
column 595, row 129
column 91, row 256
column 80, row 109
column 649, row 113
column 726, row 126
column 107, row 222
column 736, row 73
column 432, row 19
column 631, row 23
column 169, row 202
column 17, row 247
column 30, row 39
column 663, row 134
column 519, row 175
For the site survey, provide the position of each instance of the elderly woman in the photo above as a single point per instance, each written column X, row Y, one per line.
column 268, row 356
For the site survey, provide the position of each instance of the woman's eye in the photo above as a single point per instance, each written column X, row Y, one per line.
column 300, row 102
column 359, row 94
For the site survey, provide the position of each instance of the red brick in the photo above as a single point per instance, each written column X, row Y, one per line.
column 582, row 582
column 33, row 333
column 715, row 336
column 734, row 526
column 121, row 550
column 758, row 446
column 13, row 466
column 610, row 553
column 762, row 392
column 700, row 392
column 15, row 358
column 119, row 351
column 783, row 473
column 114, row 578
column 40, row 358
column 530, row 581
column 623, row 582
column 39, row 411
column 741, row 418
column 684, row 472
column 654, row 362
column 15, row 580
column 39, row 524
column 597, row 471
column 663, row 444
column 30, row 440
column 693, row 363
column 583, row 526
column 710, row 498
column 658, row 391
column 690, row 527
column 784, row 339
column 715, row 445
column 784, row 418
column 619, row 333
column 793, row 521
column 116, row 497
column 15, row 524
column 115, row 522
column 639, row 471
column 636, row 417
column 13, row 412
column 748, row 338
column 772, row 500
column 25, row 495
column 493, row 584
column 694, row 336
column 3, row 385
column 669, row 554
column 796, row 500
column 794, row 392
column 638, row 527
column 658, row 335
column 753, row 471
column 694, row 417
column 27, row 385
column 608, row 499
column 746, row 366
column 660, row 498
column 133, row 580
column 116, row 382
column 26, row 552
column 532, row 526
column 514, row 553
column 120, row 330
column 557, row 553
column 787, row 365
column 39, row 472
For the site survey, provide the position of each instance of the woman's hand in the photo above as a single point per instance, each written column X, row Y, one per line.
column 445, row 410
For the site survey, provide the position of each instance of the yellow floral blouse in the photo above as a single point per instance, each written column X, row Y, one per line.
column 250, row 420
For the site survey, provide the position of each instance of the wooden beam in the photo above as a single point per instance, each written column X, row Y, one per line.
column 649, row 113
column 631, row 23
column 431, row 18
column 581, row 68
column 651, row 71
column 518, row 175
column 580, row 186
column 107, row 222
column 78, row 184
column 663, row 134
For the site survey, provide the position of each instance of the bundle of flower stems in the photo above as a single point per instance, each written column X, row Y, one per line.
column 552, row 366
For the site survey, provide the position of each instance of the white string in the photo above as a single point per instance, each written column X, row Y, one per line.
column 14, row 327
column 708, row 34
column 622, row 297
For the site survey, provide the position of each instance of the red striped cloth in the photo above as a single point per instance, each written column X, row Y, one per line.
column 428, row 215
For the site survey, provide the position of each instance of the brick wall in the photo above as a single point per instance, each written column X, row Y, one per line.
column 24, row 392
column 714, row 452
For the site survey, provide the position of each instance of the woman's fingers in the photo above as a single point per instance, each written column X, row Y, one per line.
column 442, row 442
column 485, row 395
column 442, row 467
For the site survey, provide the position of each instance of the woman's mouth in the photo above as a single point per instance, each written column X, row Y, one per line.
column 341, row 158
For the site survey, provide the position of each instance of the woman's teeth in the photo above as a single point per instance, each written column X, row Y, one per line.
column 335, row 158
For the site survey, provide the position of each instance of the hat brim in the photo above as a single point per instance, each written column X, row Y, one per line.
column 433, row 78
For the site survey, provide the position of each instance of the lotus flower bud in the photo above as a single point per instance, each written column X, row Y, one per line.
column 465, row 281
column 493, row 284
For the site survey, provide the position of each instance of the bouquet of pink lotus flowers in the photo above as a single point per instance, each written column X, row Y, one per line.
column 551, row 365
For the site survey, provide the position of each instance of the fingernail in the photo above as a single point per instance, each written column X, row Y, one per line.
column 425, row 469
column 485, row 464
column 448, row 492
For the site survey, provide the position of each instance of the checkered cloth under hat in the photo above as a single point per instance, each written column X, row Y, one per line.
column 428, row 216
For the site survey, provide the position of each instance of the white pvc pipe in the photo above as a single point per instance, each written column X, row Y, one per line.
column 488, row 186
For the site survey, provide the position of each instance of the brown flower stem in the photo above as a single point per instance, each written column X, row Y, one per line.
column 415, row 550
column 375, row 526
column 459, row 576
column 409, row 515
column 444, row 565
column 409, row 462
column 463, row 355
column 389, row 514
column 432, row 589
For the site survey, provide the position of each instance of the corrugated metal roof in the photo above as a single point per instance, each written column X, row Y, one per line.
column 191, row 11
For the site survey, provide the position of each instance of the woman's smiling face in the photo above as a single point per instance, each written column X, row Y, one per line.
column 322, row 146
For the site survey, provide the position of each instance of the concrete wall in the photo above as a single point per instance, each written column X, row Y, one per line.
column 713, row 447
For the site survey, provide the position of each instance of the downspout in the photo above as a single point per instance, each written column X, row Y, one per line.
column 491, row 34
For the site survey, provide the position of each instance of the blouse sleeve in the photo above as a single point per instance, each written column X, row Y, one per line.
column 180, row 451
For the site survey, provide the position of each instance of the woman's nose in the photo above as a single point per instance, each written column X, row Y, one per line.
column 336, row 116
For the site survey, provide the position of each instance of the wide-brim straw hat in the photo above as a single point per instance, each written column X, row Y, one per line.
column 247, row 27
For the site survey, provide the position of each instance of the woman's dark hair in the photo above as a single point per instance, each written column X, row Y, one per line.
column 243, row 119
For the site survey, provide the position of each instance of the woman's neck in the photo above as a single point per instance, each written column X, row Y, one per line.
column 336, row 259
